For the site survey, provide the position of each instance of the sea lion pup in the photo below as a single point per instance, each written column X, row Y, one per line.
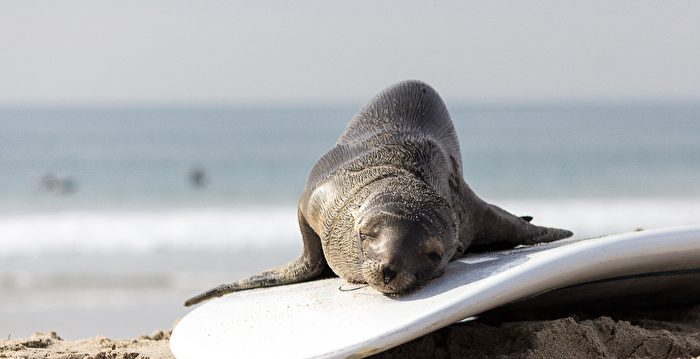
column 388, row 205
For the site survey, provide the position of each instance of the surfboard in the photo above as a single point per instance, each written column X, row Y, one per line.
column 333, row 319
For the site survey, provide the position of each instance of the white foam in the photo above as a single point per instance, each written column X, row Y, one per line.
column 148, row 231
column 596, row 217
column 259, row 227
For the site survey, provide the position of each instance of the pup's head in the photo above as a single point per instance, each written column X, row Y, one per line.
column 405, row 245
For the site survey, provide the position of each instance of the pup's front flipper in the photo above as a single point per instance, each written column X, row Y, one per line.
column 309, row 266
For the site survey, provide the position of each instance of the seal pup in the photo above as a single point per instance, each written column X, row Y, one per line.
column 388, row 205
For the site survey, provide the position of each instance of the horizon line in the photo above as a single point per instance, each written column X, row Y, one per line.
column 306, row 104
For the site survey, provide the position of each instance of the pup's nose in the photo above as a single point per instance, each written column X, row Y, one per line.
column 389, row 274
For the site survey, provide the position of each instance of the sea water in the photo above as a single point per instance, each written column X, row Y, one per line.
column 104, row 228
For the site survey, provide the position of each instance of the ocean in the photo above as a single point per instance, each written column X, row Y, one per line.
column 110, row 218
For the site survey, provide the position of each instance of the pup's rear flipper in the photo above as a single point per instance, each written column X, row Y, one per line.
column 297, row 271
column 499, row 230
column 310, row 265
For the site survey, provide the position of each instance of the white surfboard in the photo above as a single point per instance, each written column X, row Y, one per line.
column 332, row 319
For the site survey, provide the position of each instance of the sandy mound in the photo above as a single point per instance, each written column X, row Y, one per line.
column 661, row 333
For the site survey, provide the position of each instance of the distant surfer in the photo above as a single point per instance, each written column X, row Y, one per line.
column 197, row 177
column 50, row 183
column 68, row 185
column 56, row 185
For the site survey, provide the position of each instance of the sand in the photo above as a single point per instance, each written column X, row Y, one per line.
column 650, row 333
column 50, row 345
column 655, row 333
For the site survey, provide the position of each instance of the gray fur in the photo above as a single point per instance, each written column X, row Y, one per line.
column 388, row 205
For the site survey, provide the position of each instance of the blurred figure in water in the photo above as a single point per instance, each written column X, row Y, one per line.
column 49, row 183
column 58, row 186
column 197, row 177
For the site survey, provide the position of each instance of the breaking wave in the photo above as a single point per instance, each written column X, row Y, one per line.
column 128, row 231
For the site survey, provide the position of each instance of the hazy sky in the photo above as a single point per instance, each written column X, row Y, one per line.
column 199, row 52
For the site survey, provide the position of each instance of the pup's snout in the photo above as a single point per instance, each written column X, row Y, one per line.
column 389, row 274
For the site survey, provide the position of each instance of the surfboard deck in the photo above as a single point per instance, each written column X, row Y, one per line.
column 330, row 318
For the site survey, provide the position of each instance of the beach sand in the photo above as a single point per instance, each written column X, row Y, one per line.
column 50, row 345
column 650, row 333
